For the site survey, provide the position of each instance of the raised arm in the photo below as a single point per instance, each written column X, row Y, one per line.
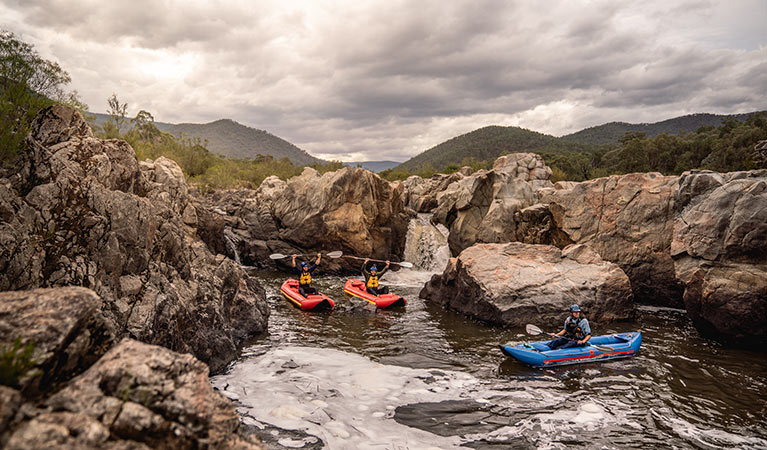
column 319, row 256
column 364, row 267
column 294, row 261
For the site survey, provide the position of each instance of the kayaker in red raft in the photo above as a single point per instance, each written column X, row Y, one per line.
column 305, row 280
column 371, row 278
column 577, row 331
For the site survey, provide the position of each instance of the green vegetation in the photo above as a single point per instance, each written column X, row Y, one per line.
column 16, row 361
column 201, row 167
column 28, row 83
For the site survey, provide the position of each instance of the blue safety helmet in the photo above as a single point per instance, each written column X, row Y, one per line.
column 372, row 268
column 303, row 264
column 575, row 308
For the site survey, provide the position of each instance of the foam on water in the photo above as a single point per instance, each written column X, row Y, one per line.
column 345, row 399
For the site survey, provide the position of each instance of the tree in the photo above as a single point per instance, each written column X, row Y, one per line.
column 27, row 84
column 114, row 124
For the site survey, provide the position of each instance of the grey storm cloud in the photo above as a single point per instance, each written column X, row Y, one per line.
column 388, row 79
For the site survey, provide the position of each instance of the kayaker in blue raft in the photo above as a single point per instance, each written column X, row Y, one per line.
column 577, row 331
column 305, row 280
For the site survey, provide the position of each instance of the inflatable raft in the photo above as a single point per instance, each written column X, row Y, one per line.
column 313, row 302
column 538, row 354
column 356, row 288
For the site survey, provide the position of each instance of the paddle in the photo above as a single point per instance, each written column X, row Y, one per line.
column 535, row 331
column 403, row 263
column 334, row 255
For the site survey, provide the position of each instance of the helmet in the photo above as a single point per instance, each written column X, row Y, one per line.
column 575, row 308
column 303, row 264
column 373, row 268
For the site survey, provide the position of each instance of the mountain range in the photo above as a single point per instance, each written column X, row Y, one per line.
column 228, row 138
column 488, row 143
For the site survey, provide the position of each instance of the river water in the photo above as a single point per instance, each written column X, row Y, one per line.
column 425, row 378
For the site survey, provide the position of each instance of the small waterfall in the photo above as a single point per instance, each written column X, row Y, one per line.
column 426, row 244
column 230, row 240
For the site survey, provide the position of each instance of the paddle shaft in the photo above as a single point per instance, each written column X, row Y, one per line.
column 377, row 260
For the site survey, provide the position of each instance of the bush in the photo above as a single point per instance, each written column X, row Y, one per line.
column 16, row 361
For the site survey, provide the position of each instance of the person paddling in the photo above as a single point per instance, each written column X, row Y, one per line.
column 372, row 284
column 305, row 280
column 576, row 329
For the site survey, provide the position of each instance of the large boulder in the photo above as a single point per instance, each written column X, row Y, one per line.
column 135, row 396
column 65, row 329
column 482, row 207
column 352, row 210
column 720, row 253
column 82, row 211
column 513, row 284
column 421, row 193
column 628, row 220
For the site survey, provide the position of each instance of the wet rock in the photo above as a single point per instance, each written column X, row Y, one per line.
column 10, row 400
column 481, row 207
column 66, row 327
column 514, row 284
column 136, row 396
column 82, row 211
column 352, row 210
column 719, row 242
column 628, row 220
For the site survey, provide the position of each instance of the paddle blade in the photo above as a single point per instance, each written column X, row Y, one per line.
column 336, row 254
column 532, row 329
column 405, row 264
column 277, row 256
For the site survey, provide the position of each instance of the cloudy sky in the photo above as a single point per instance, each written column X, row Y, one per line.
column 373, row 80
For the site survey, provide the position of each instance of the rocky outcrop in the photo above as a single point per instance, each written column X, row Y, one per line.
column 482, row 207
column 64, row 326
column 135, row 396
column 628, row 220
column 513, row 284
column 352, row 210
column 421, row 193
column 82, row 211
column 719, row 250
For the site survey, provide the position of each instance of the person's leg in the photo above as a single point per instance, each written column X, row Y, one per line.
column 557, row 343
column 302, row 291
column 310, row 290
column 570, row 344
column 372, row 290
column 383, row 290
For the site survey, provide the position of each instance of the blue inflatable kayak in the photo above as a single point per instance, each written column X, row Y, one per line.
column 538, row 354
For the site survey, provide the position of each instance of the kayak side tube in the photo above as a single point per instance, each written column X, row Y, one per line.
column 356, row 288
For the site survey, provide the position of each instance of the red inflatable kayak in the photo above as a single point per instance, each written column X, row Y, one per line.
column 312, row 302
column 356, row 288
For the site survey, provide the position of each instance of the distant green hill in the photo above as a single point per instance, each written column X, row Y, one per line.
column 228, row 138
column 609, row 133
column 373, row 166
column 485, row 144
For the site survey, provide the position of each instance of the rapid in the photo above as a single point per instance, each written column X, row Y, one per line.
column 425, row 378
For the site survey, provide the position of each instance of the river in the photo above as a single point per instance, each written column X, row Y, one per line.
column 425, row 378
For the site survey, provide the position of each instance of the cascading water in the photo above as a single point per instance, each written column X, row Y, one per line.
column 426, row 244
column 230, row 240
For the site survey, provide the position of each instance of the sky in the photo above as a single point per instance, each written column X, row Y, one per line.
column 386, row 80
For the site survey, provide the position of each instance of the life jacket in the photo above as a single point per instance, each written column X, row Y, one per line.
column 573, row 329
column 373, row 281
column 306, row 278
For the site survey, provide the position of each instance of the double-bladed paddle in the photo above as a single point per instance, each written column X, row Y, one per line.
column 402, row 263
column 334, row 255
column 535, row 331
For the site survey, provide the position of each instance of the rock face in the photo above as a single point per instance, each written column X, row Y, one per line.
column 482, row 207
column 421, row 193
column 720, row 253
column 66, row 327
column 135, row 396
column 513, row 284
column 82, row 211
column 628, row 220
column 352, row 210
